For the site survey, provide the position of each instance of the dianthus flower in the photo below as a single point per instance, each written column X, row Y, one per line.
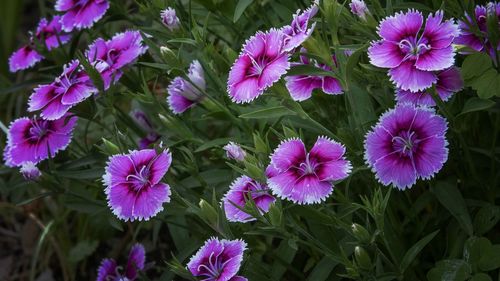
column 110, row 271
column 109, row 57
column 298, row 31
column 81, row 14
column 406, row 144
column 133, row 187
column 358, row 7
column 261, row 63
column 306, row 177
column 448, row 82
column 48, row 33
column 241, row 190
column 413, row 55
column 70, row 88
column 30, row 171
column 218, row 260
column 479, row 42
column 302, row 86
column 184, row 94
column 32, row 139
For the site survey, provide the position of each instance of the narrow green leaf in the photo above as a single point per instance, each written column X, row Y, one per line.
column 476, row 104
column 271, row 112
column 412, row 253
column 451, row 198
column 240, row 8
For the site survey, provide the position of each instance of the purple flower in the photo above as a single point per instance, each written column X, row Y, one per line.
column 110, row 271
column 218, row 260
column 50, row 32
column 306, row 177
column 30, row 171
column 24, row 58
column 170, row 19
column 81, row 14
column 32, row 139
column 358, row 7
column 70, row 88
column 133, row 187
column 239, row 192
column 234, row 151
column 183, row 94
column 407, row 143
column 109, row 57
column 298, row 31
column 478, row 42
column 411, row 54
column 448, row 82
column 261, row 63
column 302, row 86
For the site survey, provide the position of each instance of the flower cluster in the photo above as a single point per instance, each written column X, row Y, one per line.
column 479, row 41
column 110, row 271
column 265, row 58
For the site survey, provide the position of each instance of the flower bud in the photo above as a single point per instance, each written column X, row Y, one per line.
column 362, row 258
column 234, row 151
column 360, row 233
column 170, row 19
column 30, row 172
column 358, row 7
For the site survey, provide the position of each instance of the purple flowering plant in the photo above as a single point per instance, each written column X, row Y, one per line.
column 249, row 140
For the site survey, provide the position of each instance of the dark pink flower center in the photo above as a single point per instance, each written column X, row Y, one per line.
column 213, row 267
column 406, row 143
column 139, row 177
column 38, row 130
column 308, row 167
column 258, row 65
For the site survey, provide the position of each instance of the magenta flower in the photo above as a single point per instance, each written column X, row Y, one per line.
column 49, row 33
column 298, row 31
column 358, row 7
column 183, row 94
column 170, row 19
column 218, row 260
column 448, row 82
column 133, row 187
column 81, row 14
column 407, row 143
column 109, row 57
column 32, row 139
column 413, row 55
column 478, row 42
column 239, row 192
column 306, row 177
column 261, row 63
column 70, row 88
column 234, row 151
column 30, row 171
column 110, row 271
column 302, row 86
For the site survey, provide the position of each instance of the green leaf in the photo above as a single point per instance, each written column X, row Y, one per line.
column 449, row 270
column 475, row 65
column 490, row 258
column 476, row 104
column 451, row 198
column 306, row 69
column 481, row 277
column 212, row 143
column 82, row 250
column 412, row 253
column 487, row 85
column 271, row 112
column 486, row 218
column 475, row 248
column 240, row 8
